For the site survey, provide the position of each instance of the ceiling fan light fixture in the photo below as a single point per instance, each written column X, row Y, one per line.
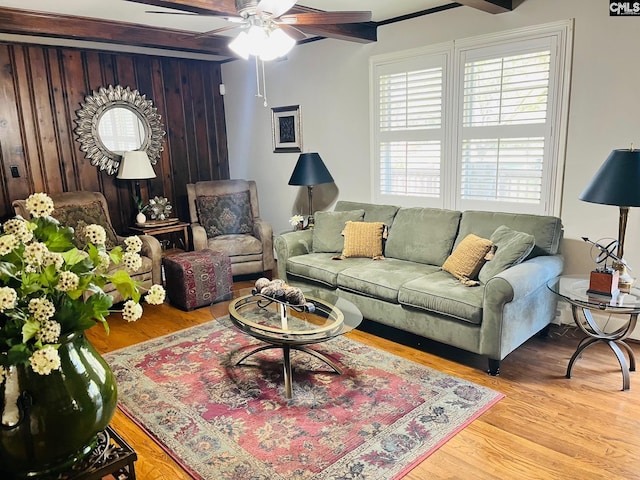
column 263, row 42
column 278, row 44
column 241, row 45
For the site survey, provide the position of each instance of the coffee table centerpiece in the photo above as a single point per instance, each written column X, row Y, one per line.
column 315, row 317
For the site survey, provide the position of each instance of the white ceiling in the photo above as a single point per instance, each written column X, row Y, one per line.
column 124, row 11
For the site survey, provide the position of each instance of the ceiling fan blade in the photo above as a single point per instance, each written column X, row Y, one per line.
column 193, row 14
column 275, row 7
column 292, row 32
column 325, row 18
column 214, row 32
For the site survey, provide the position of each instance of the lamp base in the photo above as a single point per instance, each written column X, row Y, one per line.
column 626, row 281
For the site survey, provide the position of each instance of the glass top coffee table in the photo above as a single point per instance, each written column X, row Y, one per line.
column 573, row 289
column 290, row 327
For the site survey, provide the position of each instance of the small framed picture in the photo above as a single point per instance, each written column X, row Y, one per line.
column 287, row 131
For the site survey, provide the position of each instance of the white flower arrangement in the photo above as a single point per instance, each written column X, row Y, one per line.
column 296, row 220
column 43, row 281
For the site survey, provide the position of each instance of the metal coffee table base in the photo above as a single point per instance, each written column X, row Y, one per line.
column 286, row 350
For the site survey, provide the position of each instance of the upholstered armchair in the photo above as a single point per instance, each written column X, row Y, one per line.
column 225, row 217
column 76, row 209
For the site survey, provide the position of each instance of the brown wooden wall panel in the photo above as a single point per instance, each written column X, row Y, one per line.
column 11, row 145
column 41, row 88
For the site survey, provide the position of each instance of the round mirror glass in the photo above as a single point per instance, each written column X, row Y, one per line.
column 121, row 130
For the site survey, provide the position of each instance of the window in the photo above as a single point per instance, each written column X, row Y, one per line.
column 410, row 128
column 480, row 131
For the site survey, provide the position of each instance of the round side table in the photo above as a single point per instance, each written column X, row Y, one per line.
column 573, row 289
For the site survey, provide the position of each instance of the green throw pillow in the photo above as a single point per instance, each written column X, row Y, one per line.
column 79, row 216
column 512, row 247
column 327, row 230
column 225, row 214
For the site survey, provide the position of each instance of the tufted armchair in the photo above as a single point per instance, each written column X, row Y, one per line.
column 76, row 209
column 225, row 217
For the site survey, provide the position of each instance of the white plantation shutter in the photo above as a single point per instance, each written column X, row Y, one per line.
column 505, row 127
column 504, row 170
column 410, row 168
column 481, row 131
column 411, row 100
column 409, row 129
column 507, row 91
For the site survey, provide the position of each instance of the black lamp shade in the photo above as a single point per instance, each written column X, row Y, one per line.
column 617, row 182
column 310, row 170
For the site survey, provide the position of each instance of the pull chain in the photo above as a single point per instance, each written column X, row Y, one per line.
column 263, row 93
column 264, row 84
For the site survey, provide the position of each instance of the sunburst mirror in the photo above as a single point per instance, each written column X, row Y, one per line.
column 114, row 120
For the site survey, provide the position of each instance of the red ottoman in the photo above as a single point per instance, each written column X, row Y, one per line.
column 196, row 279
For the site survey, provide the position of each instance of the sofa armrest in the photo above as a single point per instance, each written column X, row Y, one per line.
column 264, row 231
column 517, row 304
column 292, row 244
column 151, row 248
column 199, row 236
column 522, row 279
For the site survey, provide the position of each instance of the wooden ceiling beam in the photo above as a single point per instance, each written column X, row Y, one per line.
column 352, row 32
column 24, row 22
column 492, row 6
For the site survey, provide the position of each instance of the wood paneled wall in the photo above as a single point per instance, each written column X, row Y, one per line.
column 41, row 89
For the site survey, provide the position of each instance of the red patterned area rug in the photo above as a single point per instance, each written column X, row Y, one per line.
column 377, row 420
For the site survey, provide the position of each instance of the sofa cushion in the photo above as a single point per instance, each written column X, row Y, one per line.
column 319, row 267
column 512, row 247
column 468, row 258
column 225, row 214
column 363, row 239
column 422, row 235
column 328, row 227
column 443, row 294
column 78, row 216
column 382, row 280
column 547, row 230
column 372, row 212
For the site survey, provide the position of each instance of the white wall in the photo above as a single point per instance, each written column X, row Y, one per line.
column 329, row 79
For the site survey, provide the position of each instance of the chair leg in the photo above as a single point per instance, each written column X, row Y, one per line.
column 268, row 274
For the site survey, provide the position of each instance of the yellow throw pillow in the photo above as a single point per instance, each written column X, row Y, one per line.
column 363, row 239
column 467, row 259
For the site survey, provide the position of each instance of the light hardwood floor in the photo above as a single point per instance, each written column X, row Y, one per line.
column 547, row 426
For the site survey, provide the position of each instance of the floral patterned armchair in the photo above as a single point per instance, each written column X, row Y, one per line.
column 77, row 209
column 225, row 217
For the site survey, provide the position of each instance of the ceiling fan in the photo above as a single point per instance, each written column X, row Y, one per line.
column 267, row 33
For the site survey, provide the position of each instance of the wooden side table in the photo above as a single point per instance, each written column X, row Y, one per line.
column 159, row 228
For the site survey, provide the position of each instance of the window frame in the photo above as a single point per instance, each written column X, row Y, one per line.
column 558, row 35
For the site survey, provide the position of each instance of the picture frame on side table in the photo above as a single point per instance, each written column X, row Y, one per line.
column 286, row 126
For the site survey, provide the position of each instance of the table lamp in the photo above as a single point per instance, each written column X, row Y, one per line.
column 617, row 182
column 135, row 165
column 309, row 171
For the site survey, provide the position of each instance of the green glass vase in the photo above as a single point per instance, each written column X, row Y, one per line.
column 49, row 422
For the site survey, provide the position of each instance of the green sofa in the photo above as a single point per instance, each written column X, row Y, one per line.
column 409, row 290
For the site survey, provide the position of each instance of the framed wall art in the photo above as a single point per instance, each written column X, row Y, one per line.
column 287, row 129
